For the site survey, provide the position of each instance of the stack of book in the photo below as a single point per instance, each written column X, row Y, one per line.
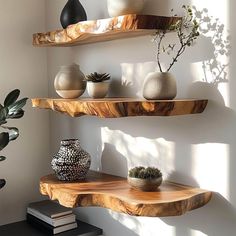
column 51, row 217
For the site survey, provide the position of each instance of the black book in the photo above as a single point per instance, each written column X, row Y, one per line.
column 43, row 226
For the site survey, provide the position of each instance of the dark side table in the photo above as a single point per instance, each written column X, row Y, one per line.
column 23, row 228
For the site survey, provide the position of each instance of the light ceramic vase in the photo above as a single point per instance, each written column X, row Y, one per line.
column 159, row 86
column 124, row 7
column 98, row 90
column 70, row 82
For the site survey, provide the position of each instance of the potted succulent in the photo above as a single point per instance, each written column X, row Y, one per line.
column 11, row 109
column 98, row 84
column 145, row 179
column 162, row 85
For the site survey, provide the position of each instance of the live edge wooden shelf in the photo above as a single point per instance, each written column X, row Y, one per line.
column 86, row 32
column 121, row 107
column 108, row 191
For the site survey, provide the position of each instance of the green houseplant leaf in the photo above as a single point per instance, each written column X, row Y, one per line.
column 2, row 158
column 13, row 108
column 4, row 140
column 11, row 97
column 2, row 183
column 3, row 114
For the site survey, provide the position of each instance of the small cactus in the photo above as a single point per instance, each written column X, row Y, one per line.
column 145, row 173
column 97, row 77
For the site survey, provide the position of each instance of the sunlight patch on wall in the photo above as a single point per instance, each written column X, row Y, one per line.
column 210, row 166
column 141, row 151
column 197, row 233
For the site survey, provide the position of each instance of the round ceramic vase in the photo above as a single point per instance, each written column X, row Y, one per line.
column 70, row 82
column 145, row 184
column 71, row 162
column 72, row 13
column 159, row 86
column 123, row 7
column 98, row 90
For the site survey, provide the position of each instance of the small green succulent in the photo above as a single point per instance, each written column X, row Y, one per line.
column 97, row 77
column 145, row 173
column 11, row 109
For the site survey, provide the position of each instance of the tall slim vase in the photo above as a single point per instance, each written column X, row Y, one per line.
column 72, row 13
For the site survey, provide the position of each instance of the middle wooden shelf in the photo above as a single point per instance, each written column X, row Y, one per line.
column 121, row 107
column 113, row 192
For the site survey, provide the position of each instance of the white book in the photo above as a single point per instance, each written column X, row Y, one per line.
column 49, row 208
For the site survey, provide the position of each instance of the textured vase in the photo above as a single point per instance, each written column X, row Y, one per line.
column 72, row 13
column 70, row 82
column 123, row 7
column 71, row 162
column 159, row 86
column 98, row 90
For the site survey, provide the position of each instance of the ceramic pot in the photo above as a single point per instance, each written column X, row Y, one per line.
column 98, row 90
column 70, row 82
column 159, row 86
column 72, row 13
column 145, row 184
column 123, row 7
column 71, row 162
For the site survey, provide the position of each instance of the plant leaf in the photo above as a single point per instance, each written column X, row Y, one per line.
column 2, row 158
column 2, row 183
column 17, row 114
column 14, row 108
column 11, row 97
column 4, row 140
column 3, row 113
column 13, row 133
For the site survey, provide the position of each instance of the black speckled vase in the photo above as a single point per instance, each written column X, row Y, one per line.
column 71, row 162
column 72, row 13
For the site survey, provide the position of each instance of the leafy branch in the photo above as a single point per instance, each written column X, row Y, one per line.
column 187, row 32
column 11, row 109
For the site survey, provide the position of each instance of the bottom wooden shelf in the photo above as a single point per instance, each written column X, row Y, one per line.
column 108, row 191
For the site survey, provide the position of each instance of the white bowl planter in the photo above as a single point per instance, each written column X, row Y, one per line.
column 98, row 90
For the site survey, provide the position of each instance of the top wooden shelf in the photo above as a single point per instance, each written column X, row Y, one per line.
column 101, row 30
column 121, row 107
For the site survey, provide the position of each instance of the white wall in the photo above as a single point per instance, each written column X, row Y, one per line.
column 23, row 66
column 194, row 149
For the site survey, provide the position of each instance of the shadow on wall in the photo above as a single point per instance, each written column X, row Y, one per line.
column 114, row 225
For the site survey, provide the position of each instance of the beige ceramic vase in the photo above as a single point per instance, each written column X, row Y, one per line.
column 159, row 86
column 123, row 7
column 70, row 82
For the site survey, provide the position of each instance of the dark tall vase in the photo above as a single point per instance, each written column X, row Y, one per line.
column 72, row 13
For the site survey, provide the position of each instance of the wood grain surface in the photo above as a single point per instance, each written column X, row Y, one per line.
column 85, row 32
column 121, row 107
column 115, row 193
